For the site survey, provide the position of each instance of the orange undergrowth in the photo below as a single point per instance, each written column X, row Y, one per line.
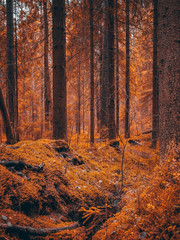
column 91, row 193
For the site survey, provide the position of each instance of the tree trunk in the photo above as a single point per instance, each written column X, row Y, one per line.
column 104, row 79
column 169, row 75
column 10, row 62
column 111, row 105
column 91, row 73
column 47, row 85
column 127, row 94
column 78, row 126
column 9, row 131
column 16, row 80
column 59, row 71
column 155, row 112
column 117, row 72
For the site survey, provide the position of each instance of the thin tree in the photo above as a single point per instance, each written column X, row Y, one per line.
column 47, row 85
column 59, row 71
column 78, row 120
column 117, row 71
column 127, row 90
column 111, row 105
column 10, row 62
column 91, row 73
column 155, row 110
column 104, row 78
column 169, row 75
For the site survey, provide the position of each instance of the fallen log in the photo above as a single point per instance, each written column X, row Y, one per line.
column 20, row 165
column 37, row 231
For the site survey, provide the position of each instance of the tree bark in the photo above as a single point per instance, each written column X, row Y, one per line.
column 104, row 93
column 91, row 73
column 169, row 75
column 155, row 112
column 117, row 72
column 59, row 71
column 10, row 62
column 111, row 105
column 47, row 85
column 127, row 93
column 9, row 131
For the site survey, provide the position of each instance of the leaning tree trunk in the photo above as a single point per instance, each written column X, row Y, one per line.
column 111, row 105
column 127, row 93
column 169, row 74
column 9, row 131
column 59, row 71
column 155, row 116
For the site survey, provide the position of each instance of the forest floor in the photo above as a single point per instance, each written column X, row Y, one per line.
column 100, row 192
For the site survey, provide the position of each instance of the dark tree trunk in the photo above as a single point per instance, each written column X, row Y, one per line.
column 9, row 131
column 10, row 62
column 169, row 74
column 117, row 73
column 155, row 112
column 104, row 80
column 59, row 71
column 47, row 85
column 111, row 105
column 127, row 93
column 92, row 74
column 16, row 81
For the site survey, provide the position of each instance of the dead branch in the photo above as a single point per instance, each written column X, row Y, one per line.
column 37, row 231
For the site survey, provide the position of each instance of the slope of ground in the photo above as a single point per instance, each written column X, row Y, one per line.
column 58, row 185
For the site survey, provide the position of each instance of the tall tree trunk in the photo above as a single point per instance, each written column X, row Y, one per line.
column 127, row 93
column 155, row 112
column 104, row 80
column 59, row 71
column 16, row 79
column 111, row 105
column 9, row 131
column 47, row 85
column 10, row 62
column 169, row 75
column 78, row 127
column 91, row 73
column 117, row 72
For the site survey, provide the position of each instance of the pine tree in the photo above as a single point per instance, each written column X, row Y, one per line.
column 59, row 71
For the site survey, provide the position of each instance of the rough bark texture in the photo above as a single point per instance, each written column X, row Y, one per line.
column 59, row 71
column 111, row 105
column 10, row 62
column 155, row 123
column 127, row 94
column 92, row 74
column 117, row 72
column 47, row 85
column 9, row 131
column 104, row 79
column 169, row 74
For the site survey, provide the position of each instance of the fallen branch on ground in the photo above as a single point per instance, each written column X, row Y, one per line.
column 37, row 231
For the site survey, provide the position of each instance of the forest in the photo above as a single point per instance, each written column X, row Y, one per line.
column 89, row 119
